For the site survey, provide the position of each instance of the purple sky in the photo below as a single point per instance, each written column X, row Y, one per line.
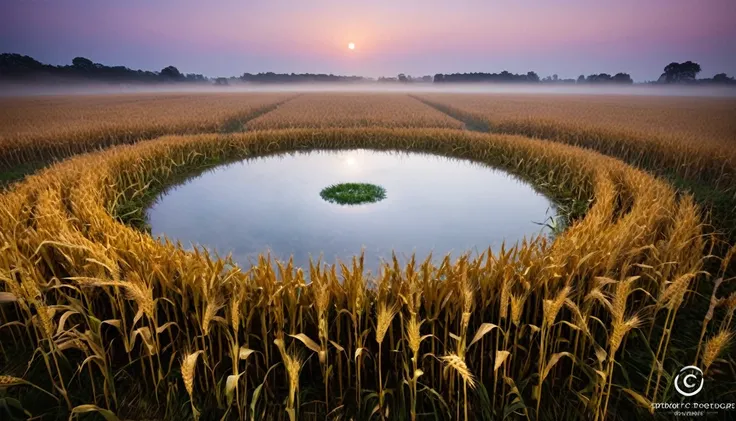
column 417, row 37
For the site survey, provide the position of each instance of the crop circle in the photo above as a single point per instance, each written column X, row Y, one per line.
column 353, row 193
column 87, row 199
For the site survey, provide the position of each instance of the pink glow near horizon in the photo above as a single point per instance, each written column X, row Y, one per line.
column 229, row 37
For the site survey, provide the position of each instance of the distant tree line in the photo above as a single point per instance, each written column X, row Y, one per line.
column 403, row 78
column 687, row 72
column 618, row 78
column 673, row 73
column 20, row 67
column 530, row 77
column 486, row 77
column 270, row 77
column 680, row 72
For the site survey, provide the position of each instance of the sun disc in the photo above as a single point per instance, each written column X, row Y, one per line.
column 351, row 46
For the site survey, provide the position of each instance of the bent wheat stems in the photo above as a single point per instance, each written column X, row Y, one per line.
column 635, row 252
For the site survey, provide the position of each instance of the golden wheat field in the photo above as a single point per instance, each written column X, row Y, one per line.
column 318, row 110
column 692, row 137
column 37, row 128
column 99, row 320
column 687, row 140
column 697, row 118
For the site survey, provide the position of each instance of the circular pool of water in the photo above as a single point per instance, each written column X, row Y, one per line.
column 272, row 204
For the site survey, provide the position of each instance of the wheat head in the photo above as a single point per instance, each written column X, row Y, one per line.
column 188, row 369
column 715, row 346
column 456, row 363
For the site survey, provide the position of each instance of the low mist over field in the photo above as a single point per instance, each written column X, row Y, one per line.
column 82, row 88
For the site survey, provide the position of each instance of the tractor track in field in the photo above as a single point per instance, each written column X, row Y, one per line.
column 469, row 123
column 720, row 207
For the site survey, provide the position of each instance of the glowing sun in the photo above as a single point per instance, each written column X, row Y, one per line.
column 351, row 46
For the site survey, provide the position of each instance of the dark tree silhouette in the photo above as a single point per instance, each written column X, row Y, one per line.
column 19, row 67
column 671, row 72
column 15, row 65
column 680, row 72
column 504, row 76
column 22, row 67
column 623, row 78
column 271, row 77
column 618, row 78
column 171, row 73
column 193, row 77
column 723, row 79
column 689, row 70
column 82, row 63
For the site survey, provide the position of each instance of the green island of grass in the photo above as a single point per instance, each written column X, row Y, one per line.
column 353, row 193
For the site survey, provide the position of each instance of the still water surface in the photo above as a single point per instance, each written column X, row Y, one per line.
column 433, row 204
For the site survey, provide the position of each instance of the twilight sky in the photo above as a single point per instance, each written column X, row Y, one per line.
column 416, row 37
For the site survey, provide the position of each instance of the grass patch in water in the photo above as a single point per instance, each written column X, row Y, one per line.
column 353, row 193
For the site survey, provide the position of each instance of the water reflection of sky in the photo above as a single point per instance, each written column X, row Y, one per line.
column 433, row 204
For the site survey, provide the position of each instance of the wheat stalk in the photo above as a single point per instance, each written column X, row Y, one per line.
column 188, row 370
column 456, row 363
column 715, row 347
column 552, row 307
column 7, row 381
